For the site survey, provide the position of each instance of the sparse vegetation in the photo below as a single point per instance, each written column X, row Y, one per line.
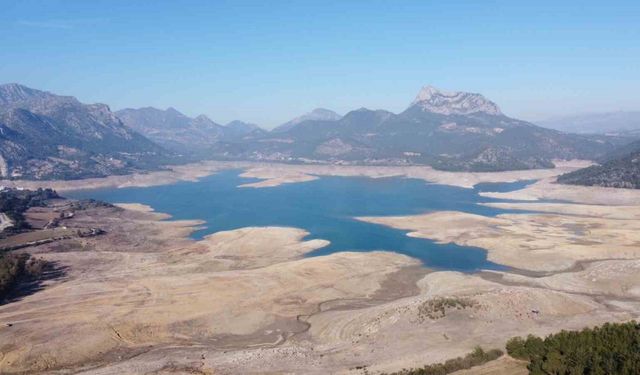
column 14, row 203
column 621, row 171
column 611, row 349
column 437, row 308
column 16, row 268
column 475, row 358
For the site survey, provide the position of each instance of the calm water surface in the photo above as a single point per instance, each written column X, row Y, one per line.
column 325, row 208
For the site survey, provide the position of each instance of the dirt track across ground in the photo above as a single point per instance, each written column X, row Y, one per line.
column 144, row 298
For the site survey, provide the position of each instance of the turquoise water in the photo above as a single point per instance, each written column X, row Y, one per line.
column 325, row 208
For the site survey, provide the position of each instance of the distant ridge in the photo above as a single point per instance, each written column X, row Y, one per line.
column 48, row 136
column 44, row 135
column 197, row 137
column 318, row 114
column 13, row 95
column 447, row 130
column 620, row 122
column 239, row 129
column 173, row 130
column 620, row 170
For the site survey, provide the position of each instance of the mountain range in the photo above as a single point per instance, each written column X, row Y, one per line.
column 318, row 114
column 620, row 122
column 191, row 137
column 43, row 135
column 448, row 130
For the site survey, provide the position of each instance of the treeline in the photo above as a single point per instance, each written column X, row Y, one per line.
column 475, row 358
column 621, row 172
column 14, row 202
column 16, row 268
column 608, row 350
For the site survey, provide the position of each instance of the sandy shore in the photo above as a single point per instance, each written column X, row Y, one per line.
column 548, row 189
column 188, row 172
column 622, row 212
column 551, row 241
column 273, row 174
column 277, row 174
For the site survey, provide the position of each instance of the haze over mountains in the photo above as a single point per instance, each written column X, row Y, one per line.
column 452, row 131
column 50, row 136
column 318, row 114
column 621, row 122
column 195, row 137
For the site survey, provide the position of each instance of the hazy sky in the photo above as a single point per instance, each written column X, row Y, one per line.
column 268, row 61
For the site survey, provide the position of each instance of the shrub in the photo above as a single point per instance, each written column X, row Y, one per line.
column 516, row 349
column 14, row 203
column 437, row 308
column 475, row 358
column 15, row 268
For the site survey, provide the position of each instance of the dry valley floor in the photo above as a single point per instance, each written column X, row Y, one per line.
column 145, row 299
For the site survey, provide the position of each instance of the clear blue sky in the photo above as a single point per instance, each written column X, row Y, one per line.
column 267, row 61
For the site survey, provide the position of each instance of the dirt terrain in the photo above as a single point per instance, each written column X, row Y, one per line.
column 502, row 366
column 143, row 298
column 531, row 241
column 273, row 174
column 143, row 288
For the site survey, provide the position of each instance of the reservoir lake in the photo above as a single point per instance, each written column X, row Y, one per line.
column 325, row 207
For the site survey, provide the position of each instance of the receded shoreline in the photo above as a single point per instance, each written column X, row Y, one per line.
column 145, row 297
column 275, row 174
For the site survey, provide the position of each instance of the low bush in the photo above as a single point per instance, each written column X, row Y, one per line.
column 437, row 308
column 15, row 268
column 475, row 358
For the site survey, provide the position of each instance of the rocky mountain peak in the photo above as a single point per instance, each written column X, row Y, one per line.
column 237, row 124
column 430, row 99
column 205, row 122
column 324, row 114
column 202, row 119
column 318, row 114
column 174, row 112
column 14, row 93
